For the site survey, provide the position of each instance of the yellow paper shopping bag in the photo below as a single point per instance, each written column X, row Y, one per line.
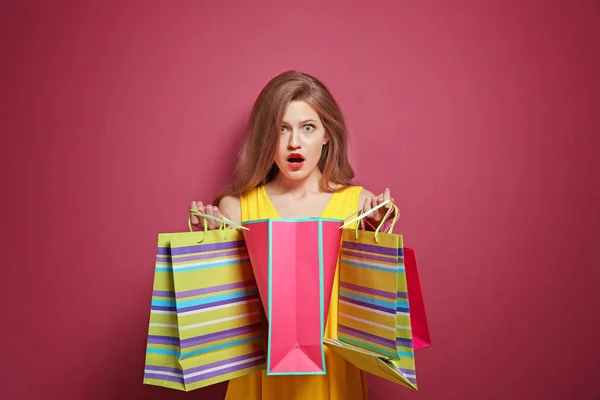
column 374, row 321
column 206, row 317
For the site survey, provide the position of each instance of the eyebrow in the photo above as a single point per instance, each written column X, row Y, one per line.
column 301, row 122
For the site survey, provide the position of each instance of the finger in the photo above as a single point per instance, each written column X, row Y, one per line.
column 366, row 205
column 215, row 224
column 386, row 196
column 208, row 210
column 207, row 221
column 377, row 201
column 217, row 213
column 376, row 215
column 198, row 206
column 195, row 220
column 380, row 199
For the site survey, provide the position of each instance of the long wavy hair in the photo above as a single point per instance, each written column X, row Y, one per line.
column 256, row 162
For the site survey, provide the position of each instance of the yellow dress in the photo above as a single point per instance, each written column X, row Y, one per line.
column 343, row 381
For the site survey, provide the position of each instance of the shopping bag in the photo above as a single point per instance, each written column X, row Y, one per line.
column 205, row 321
column 418, row 318
column 374, row 316
column 294, row 262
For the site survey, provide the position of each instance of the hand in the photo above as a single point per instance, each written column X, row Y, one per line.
column 208, row 209
column 377, row 216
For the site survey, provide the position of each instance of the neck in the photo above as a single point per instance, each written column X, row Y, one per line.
column 310, row 184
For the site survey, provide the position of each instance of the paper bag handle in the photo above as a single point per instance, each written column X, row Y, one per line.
column 222, row 220
column 393, row 209
column 361, row 216
column 387, row 215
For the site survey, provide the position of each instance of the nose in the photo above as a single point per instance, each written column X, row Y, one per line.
column 293, row 143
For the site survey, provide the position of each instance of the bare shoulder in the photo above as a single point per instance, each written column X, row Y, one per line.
column 230, row 206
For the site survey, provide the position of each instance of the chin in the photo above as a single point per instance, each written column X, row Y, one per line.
column 294, row 175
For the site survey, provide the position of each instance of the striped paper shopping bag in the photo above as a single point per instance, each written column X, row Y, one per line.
column 206, row 317
column 373, row 302
column 374, row 316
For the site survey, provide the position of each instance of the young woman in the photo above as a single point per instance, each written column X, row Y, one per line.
column 294, row 164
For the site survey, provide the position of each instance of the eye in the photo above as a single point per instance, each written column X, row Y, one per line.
column 309, row 127
column 283, row 129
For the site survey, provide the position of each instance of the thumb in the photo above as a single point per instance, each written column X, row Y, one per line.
column 367, row 205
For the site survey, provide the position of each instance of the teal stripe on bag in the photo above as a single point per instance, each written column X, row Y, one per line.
column 321, row 293
column 370, row 300
column 391, row 270
column 219, row 346
column 211, row 265
column 219, row 297
column 163, row 352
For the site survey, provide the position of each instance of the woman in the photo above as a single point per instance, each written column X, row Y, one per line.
column 294, row 164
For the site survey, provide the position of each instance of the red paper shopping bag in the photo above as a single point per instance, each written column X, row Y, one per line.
column 418, row 318
column 294, row 262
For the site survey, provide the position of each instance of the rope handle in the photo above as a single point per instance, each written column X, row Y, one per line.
column 223, row 220
column 393, row 208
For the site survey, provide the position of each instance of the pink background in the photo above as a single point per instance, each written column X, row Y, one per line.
column 483, row 117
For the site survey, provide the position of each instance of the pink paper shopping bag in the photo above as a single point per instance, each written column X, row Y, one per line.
column 294, row 262
column 418, row 317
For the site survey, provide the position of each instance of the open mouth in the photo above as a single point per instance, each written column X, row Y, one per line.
column 295, row 161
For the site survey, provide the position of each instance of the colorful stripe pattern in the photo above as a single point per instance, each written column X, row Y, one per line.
column 206, row 319
column 373, row 299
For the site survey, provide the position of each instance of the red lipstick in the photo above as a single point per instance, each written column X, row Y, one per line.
column 295, row 161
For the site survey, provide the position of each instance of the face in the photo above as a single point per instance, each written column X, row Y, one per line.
column 301, row 140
